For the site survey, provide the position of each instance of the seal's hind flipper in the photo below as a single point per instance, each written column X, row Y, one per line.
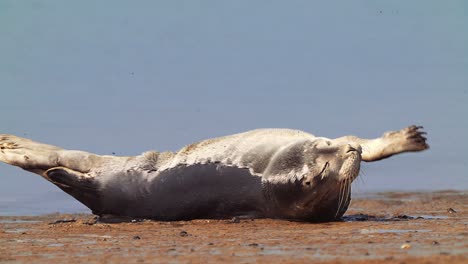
column 39, row 158
column 27, row 154
column 84, row 188
column 62, row 176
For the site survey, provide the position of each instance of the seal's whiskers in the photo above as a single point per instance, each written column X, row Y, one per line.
column 345, row 189
column 348, row 192
column 340, row 196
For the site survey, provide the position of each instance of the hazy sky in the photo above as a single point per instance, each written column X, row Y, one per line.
column 129, row 76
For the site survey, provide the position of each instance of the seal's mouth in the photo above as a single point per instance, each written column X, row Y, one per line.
column 324, row 170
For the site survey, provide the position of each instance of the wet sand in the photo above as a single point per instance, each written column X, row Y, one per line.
column 378, row 228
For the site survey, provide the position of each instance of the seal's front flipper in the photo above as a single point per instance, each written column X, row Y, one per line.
column 409, row 139
column 84, row 188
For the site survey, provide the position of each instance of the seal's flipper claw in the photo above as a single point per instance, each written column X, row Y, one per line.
column 414, row 139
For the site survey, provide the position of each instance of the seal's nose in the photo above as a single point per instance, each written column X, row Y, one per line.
column 356, row 148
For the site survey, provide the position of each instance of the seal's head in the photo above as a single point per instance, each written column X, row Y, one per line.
column 311, row 180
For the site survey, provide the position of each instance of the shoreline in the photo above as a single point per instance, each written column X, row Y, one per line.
column 388, row 227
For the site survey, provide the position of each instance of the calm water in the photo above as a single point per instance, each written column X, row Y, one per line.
column 39, row 204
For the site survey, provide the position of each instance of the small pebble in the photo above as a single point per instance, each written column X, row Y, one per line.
column 451, row 211
column 405, row 246
column 183, row 233
column 136, row 237
column 403, row 217
column 62, row 221
column 435, row 243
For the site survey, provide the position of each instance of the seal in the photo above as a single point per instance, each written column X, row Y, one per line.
column 264, row 173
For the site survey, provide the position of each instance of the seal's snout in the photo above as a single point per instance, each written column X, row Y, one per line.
column 351, row 148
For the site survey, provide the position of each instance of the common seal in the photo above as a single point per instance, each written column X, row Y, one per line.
column 264, row 173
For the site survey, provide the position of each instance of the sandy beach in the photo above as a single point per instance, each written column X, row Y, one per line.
column 391, row 227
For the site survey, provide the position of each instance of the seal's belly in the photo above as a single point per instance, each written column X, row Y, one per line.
column 187, row 192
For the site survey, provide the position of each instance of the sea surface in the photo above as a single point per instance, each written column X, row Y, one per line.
column 39, row 204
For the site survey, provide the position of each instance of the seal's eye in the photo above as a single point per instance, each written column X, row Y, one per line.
column 328, row 143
